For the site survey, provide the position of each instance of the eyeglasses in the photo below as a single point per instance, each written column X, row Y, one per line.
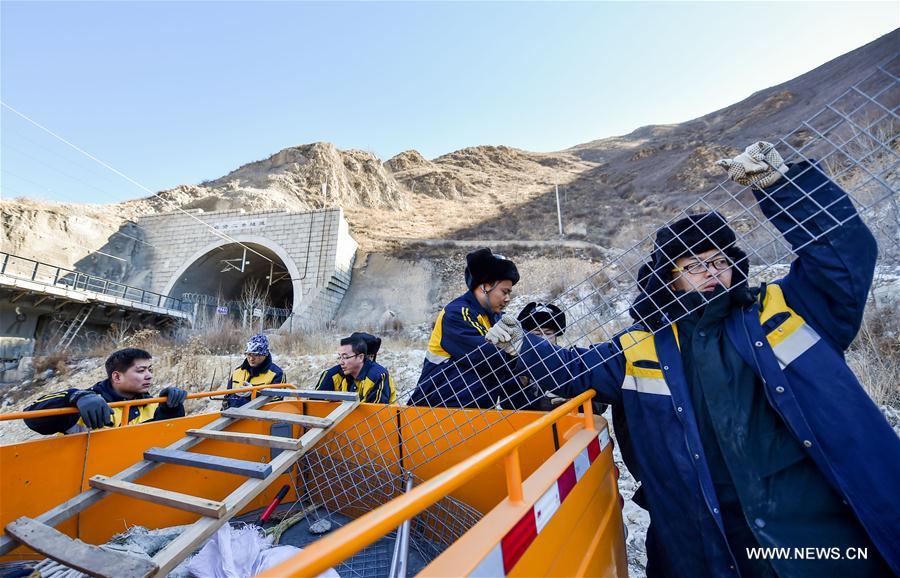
column 719, row 263
column 344, row 357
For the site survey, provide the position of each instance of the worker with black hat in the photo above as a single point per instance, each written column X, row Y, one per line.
column 547, row 321
column 543, row 319
column 734, row 406
column 461, row 369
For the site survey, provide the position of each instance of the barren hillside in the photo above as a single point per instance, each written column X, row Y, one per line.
column 611, row 188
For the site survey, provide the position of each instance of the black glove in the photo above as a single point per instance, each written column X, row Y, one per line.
column 175, row 396
column 94, row 410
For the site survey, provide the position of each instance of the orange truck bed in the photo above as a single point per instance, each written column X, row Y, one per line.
column 544, row 483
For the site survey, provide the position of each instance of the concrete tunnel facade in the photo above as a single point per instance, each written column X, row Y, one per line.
column 302, row 260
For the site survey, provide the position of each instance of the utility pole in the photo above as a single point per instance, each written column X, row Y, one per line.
column 558, row 212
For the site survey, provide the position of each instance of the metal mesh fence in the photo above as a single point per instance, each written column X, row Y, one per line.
column 852, row 141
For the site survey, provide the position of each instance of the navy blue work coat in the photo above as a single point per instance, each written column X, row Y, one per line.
column 794, row 337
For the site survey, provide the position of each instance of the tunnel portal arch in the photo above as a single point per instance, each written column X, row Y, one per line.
column 215, row 272
column 315, row 248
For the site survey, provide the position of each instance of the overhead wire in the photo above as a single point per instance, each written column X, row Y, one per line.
column 215, row 231
column 33, row 182
column 72, row 243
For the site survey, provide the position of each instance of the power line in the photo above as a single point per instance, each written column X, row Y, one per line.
column 215, row 231
column 82, row 166
column 53, row 168
column 72, row 243
column 51, row 190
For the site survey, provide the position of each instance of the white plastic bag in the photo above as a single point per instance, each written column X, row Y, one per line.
column 241, row 553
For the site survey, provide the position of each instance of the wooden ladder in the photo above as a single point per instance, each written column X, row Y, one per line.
column 39, row 533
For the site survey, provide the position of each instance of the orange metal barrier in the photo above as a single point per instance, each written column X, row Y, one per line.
column 348, row 540
column 138, row 402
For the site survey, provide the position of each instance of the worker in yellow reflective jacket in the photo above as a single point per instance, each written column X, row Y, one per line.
column 257, row 369
column 357, row 371
column 129, row 375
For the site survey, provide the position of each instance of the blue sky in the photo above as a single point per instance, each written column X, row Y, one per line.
column 173, row 93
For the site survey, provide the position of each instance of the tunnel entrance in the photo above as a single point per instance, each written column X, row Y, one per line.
column 247, row 282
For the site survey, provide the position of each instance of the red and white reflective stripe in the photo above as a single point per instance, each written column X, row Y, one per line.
column 504, row 556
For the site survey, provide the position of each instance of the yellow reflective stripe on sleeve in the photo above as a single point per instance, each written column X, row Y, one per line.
column 644, row 372
column 466, row 314
column 638, row 345
column 436, row 358
column 793, row 336
column 436, row 353
column 773, row 303
column 380, row 388
column 52, row 396
column 393, row 398
column 241, row 375
column 145, row 413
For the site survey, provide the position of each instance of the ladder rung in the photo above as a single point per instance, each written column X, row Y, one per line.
column 279, row 416
column 311, row 394
column 219, row 463
column 281, row 443
column 76, row 554
column 211, row 508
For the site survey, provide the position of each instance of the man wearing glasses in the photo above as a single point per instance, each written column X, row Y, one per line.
column 733, row 405
column 357, row 371
column 256, row 369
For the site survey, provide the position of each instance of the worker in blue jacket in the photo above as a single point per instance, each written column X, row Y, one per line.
column 733, row 406
column 333, row 376
column 461, row 369
column 258, row 368
column 129, row 375
column 356, row 371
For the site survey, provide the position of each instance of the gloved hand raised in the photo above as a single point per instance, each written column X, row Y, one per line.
column 506, row 334
column 175, row 396
column 95, row 412
column 758, row 166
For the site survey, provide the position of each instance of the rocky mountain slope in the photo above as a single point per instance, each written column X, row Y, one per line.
column 612, row 189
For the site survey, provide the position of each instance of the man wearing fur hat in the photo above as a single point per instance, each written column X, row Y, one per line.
column 256, row 369
column 733, row 405
column 461, row 369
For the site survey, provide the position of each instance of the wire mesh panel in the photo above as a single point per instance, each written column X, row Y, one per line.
column 852, row 141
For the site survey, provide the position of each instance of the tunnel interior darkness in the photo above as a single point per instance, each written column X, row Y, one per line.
column 218, row 275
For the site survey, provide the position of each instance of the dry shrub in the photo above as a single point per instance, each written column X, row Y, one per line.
column 224, row 338
column 875, row 354
column 304, row 343
column 146, row 338
column 120, row 336
column 190, row 361
column 57, row 361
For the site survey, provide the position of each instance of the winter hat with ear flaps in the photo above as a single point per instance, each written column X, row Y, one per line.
column 688, row 236
column 542, row 316
column 483, row 266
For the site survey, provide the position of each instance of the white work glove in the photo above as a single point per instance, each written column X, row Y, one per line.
column 506, row 334
column 758, row 166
